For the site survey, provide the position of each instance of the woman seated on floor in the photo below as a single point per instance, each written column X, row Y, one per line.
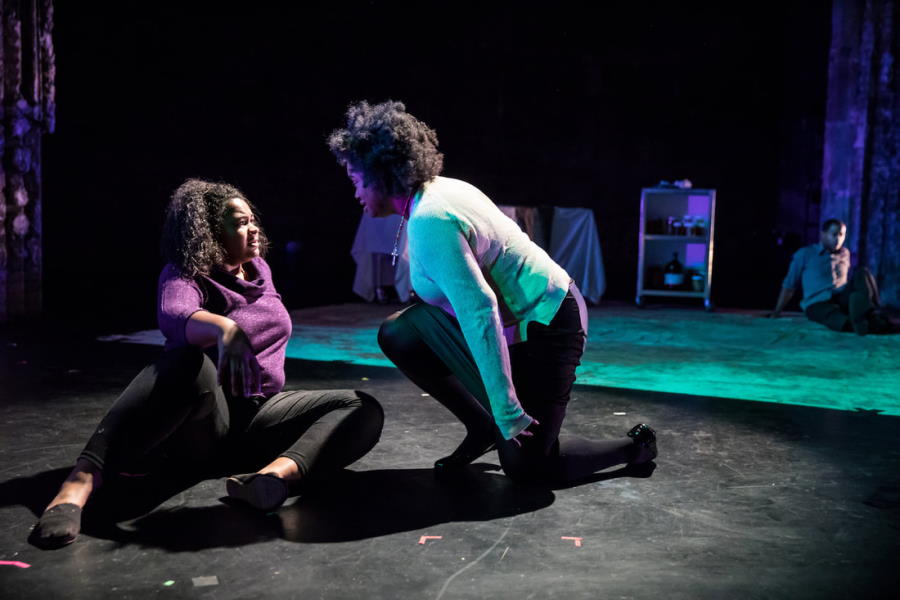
column 185, row 410
column 502, row 326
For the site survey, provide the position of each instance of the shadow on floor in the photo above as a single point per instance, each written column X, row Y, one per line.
column 354, row 505
column 35, row 492
column 127, row 498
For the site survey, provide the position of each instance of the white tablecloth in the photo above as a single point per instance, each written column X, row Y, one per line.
column 574, row 245
column 376, row 237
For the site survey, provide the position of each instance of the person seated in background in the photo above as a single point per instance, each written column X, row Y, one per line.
column 185, row 412
column 830, row 297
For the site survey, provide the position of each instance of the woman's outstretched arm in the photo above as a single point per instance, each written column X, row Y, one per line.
column 451, row 264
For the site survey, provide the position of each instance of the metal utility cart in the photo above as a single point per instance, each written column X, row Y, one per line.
column 676, row 220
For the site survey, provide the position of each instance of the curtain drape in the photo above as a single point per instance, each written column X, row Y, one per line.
column 27, row 108
column 861, row 168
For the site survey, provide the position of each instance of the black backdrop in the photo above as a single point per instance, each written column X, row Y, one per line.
column 535, row 104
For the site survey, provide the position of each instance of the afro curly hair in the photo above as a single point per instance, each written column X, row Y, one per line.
column 396, row 152
column 192, row 232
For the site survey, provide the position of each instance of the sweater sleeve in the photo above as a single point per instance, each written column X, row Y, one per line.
column 179, row 298
column 449, row 261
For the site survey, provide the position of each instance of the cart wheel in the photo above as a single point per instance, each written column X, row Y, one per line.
column 639, row 301
column 708, row 305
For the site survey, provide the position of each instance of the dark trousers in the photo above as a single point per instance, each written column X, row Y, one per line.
column 175, row 412
column 427, row 344
column 859, row 295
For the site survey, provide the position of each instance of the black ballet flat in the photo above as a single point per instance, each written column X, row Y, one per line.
column 262, row 491
column 644, row 439
column 58, row 526
column 460, row 458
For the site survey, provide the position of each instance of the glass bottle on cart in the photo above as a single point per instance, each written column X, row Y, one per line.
column 673, row 274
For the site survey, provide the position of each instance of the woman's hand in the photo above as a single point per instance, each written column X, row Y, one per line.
column 525, row 434
column 238, row 367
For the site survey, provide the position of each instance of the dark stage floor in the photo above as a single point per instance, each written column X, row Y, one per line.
column 748, row 500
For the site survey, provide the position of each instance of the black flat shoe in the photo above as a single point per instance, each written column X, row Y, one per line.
column 57, row 527
column 462, row 457
column 262, row 491
column 644, row 439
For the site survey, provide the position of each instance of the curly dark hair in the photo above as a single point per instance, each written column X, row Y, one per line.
column 395, row 151
column 191, row 238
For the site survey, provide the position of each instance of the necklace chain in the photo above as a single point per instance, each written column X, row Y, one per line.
column 396, row 251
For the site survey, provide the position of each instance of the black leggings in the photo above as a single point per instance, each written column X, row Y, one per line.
column 834, row 313
column 427, row 344
column 175, row 412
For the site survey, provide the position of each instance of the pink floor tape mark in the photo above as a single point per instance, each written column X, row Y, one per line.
column 425, row 538
column 577, row 540
column 15, row 563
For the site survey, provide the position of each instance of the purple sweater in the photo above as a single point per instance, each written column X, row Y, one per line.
column 252, row 303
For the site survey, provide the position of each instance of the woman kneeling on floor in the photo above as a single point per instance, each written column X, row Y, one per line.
column 502, row 327
column 186, row 411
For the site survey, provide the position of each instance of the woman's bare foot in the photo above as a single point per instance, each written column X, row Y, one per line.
column 78, row 486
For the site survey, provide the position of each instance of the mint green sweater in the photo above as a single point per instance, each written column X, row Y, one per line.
column 471, row 260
